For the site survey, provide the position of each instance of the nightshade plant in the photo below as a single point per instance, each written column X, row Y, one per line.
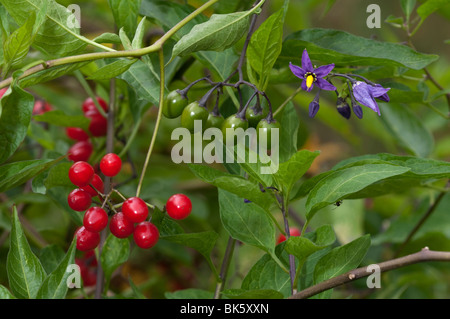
column 88, row 178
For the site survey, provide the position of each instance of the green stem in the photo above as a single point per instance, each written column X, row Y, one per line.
column 131, row 138
column 89, row 91
column 287, row 101
column 112, row 54
column 158, row 120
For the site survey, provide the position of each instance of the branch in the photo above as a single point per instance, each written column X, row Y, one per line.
column 425, row 255
column 137, row 53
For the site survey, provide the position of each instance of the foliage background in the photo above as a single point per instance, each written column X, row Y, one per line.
column 170, row 267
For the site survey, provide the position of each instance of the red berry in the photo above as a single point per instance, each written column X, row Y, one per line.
column 89, row 105
column 146, row 235
column 76, row 133
column 110, row 164
column 95, row 219
column 40, row 107
column 120, row 226
column 97, row 183
column 135, row 209
column 98, row 125
column 293, row 231
column 79, row 200
column 3, row 91
column 86, row 240
column 81, row 174
column 90, row 258
column 178, row 206
column 80, row 151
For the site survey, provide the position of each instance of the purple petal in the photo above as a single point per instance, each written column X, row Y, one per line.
column 323, row 70
column 384, row 96
column 298, row 71
column 362, row 94
column 325, row 85
column 306, row 62
column 378, row 90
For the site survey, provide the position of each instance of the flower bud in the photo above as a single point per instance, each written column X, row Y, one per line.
column 343, row 108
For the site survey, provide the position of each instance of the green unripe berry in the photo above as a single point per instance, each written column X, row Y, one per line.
column 174, row 104
column 191, row 113
column 264, row 131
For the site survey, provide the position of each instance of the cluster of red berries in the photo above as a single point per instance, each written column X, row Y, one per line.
column 131, row 220
column 40, row 106
column 82, row 149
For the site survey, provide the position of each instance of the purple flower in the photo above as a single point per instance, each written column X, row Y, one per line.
column 311, row 75
column 366, row 94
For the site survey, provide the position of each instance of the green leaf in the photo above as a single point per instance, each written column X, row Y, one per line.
column 267, row 274
column 252, row 294
column 408, row 7
column 304, row 246
column 55, row 285
column 334, row 46
column 108, row 37
column 203, row 242
column 246, row 222
column 430, row 6
column 265, row 46
column 126, row 42
column 18, row 43
column 5, row 293
column 17, row 173
column 289, row 125
column 166, row 226
column 112, row 70
column 51, row 74
column 291, row 171
column 341, row 260
column 167, row 14
column 220, row 32
column 50, row 257
column 342, row 183
column 125, row 14
column 234, row 184
column 15, row 114
column 60, row 118
column 407, row 128
column 139, row 36
column 190, row 293
column 57, row 37
column 114, row 253
column 143, row 81
column 25, row 272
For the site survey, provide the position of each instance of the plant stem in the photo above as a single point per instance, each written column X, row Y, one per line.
column 109, row 149
column 89, row 91
column 158, row 120
column 225, row 265
column 425, row 255
column 112, row 54
column 292, row 269
column 281, row 107
column 424, row 218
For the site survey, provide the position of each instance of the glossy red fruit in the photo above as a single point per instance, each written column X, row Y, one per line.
column 77, row 134
column 95, row 219
column 146, row 235
column 97, row 183
column 81, row 174
column 98, row 125
column 293, row 231
column 120, row 226
column 110, row 164
column 86, row 240
column 79, row 200
column 3, row 91
column 40, row 107
column 89, row 105
column 80, row 151
column 90, row 259
column 88, row 275
column 178, row 206
column 135, row 209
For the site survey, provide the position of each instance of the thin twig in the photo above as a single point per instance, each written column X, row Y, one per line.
column 225, row 265
column 425, row 255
